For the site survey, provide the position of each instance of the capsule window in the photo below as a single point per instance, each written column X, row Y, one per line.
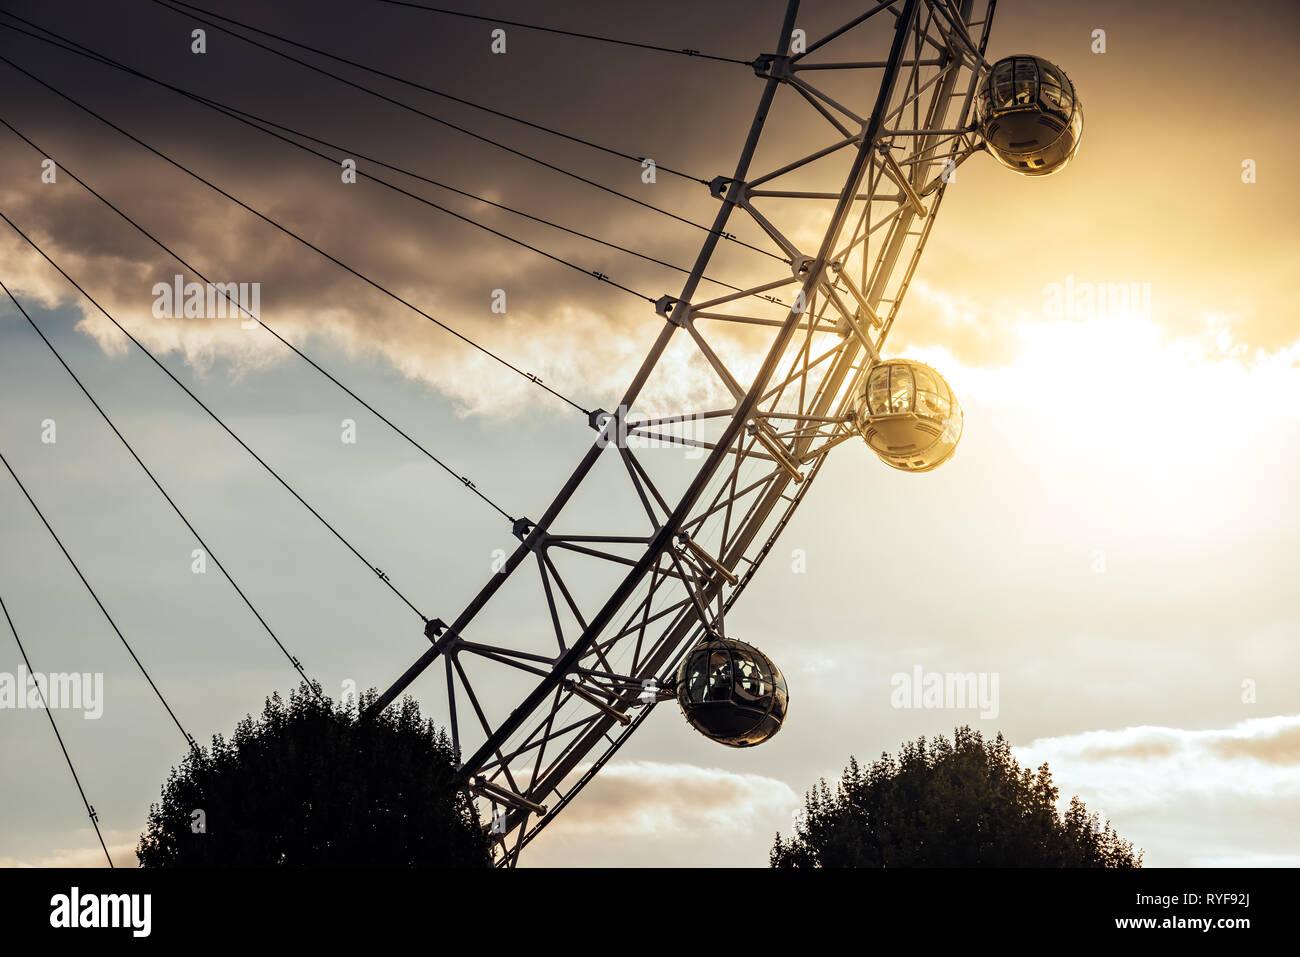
column 1000, row 83
column 1058, row 98
column 1026, row 82
column 1002, row 98
column 931, row 396
column 1051, row 89
column 749, row 680
column 696, row 679
column 878, row 391
column 780, row 702
column 720, row 677
column 900, row 389
column 709, row 677
column 935, row 406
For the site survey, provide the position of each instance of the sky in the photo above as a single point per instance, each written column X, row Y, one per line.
column 1114, row 539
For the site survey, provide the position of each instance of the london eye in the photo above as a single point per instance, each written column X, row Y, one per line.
column 616, row 607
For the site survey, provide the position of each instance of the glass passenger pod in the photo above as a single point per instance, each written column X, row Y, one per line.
column 1029, row 115
column 909, row 416
column 732, row 693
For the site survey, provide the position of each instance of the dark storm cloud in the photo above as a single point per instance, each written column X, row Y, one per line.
column 568, row 327
column 577, row 332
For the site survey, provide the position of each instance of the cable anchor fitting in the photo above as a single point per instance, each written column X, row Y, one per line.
column 666, row 306
column 441, row 639
column 526, row 531
column 767, row 65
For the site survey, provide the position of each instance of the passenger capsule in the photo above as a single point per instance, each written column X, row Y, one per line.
column 732, row 693
column 1029, row 115
column 908, row 415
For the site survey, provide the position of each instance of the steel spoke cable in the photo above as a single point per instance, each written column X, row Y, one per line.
column 293, row 660
column 216, row 418
column 592, row 273
column 684, row 51
column 76, row 568
column 478, row 136
column 90, row 811
column 235, row 303
column 541, row 127
column 253, row 120
column 310, row 245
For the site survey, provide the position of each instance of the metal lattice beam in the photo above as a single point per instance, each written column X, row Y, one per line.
column 820, row 323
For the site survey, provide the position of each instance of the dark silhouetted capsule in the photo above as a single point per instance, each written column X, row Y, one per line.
column 732, row 692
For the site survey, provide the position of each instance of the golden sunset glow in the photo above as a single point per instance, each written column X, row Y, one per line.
column 1095, row 448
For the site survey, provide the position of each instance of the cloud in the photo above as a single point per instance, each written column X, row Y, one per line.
column 1189, row 797
column 121, row 845
column 1274, row 740
column 1280, row 747
column 651, row 814
column 1270, row 740
column 650, row 799
column 581, row 337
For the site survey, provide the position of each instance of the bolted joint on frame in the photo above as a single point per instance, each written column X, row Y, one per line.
column 668, row 307
column 528, row 532
column 512, row 800
column 772, row 66
column 443, row 641
column 433, row 630
column 612, row 427
column 776, row 449
column 576, row 687
column 730, row 190
column 705, row 560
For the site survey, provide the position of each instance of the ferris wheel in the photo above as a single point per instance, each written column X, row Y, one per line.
column 822, row 319
column 615, row 599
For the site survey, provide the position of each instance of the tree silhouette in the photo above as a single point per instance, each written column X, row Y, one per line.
column 310, row 784
column 961, row 804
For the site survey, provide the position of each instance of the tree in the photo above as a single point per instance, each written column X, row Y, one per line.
column 311, row 784
column 966, row 803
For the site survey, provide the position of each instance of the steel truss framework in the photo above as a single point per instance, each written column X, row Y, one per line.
column 594, row 672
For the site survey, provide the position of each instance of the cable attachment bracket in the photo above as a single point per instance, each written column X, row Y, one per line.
column 768, row 65
column 666, row 306
column 706, row 561
column 442, row 640
column 527, row 531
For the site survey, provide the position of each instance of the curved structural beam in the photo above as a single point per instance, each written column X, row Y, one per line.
column 615, row 612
